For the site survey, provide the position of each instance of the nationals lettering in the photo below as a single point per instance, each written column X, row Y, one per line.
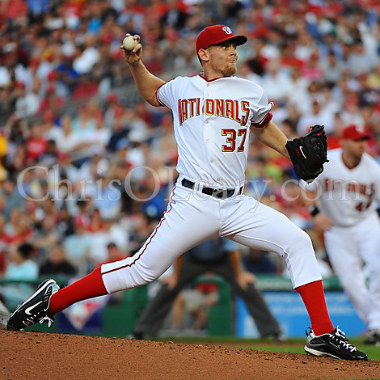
column 227, row 108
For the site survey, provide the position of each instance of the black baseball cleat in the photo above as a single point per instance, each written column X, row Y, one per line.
column 335, row 345
column 35, row 308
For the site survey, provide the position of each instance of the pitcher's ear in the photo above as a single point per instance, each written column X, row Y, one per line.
column 203, row 55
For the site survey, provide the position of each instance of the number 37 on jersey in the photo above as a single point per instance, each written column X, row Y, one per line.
column 237, row 111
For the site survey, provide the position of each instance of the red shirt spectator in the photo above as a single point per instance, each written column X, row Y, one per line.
column 51, row 101
column 288, row 57
column 312, row 70
column 23, row 232
column 85, row 89
column 96, row 223
column 261, row 28
column 36, row 144
column 5, row 239
column 114, row 254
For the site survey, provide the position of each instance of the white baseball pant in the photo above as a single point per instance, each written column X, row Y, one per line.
column 348, row 248
column 193, row 217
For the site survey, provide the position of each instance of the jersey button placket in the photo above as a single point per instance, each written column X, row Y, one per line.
column 207, row 139
column 208, row 126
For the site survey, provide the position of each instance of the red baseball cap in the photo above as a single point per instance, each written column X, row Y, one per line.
column 216, row 34
column 79, row 221
column 354, row 132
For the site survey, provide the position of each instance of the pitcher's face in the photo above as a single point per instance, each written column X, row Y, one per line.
column 223, row 58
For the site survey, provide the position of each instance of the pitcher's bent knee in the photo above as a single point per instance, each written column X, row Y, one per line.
column 303, row 240
column 298, row 243
column 301, row 261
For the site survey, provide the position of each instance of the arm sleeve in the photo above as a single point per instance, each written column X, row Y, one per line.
column 166, row 94
column 261, row 112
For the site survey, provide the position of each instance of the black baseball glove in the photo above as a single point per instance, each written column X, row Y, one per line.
column 309, row 153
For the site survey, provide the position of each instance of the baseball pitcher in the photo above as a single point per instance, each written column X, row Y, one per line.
column 213, row 112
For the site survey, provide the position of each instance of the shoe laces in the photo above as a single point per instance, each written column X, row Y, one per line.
column 46, row 319
column 340, row 337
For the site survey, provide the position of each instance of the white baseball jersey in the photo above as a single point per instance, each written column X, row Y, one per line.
column 347, row 195
column 211, row 120
column 211, row 125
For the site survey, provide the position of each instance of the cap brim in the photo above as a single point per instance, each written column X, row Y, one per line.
column 239, row 39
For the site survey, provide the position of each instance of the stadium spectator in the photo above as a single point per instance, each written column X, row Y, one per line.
column 78, row 245
column 114, row 253
column 36, row 144
column 20, row 268
column 57, row 263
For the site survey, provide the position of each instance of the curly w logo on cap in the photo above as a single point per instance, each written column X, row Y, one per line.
column 227, row 30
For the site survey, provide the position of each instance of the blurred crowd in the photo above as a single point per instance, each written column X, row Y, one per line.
column 86, row 165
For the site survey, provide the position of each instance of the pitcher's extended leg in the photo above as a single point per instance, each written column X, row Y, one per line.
column 185, row 224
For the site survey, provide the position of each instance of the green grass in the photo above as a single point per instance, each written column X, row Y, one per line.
column 292, row 345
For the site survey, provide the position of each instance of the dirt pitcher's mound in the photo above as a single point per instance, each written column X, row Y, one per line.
column 39, row 356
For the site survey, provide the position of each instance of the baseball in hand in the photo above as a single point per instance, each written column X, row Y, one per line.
column 129, row 43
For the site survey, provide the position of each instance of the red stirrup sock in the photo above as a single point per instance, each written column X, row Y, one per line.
column 313, row 297
column 88, row 287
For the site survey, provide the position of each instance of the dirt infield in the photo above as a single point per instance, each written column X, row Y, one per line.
column 39, row 356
